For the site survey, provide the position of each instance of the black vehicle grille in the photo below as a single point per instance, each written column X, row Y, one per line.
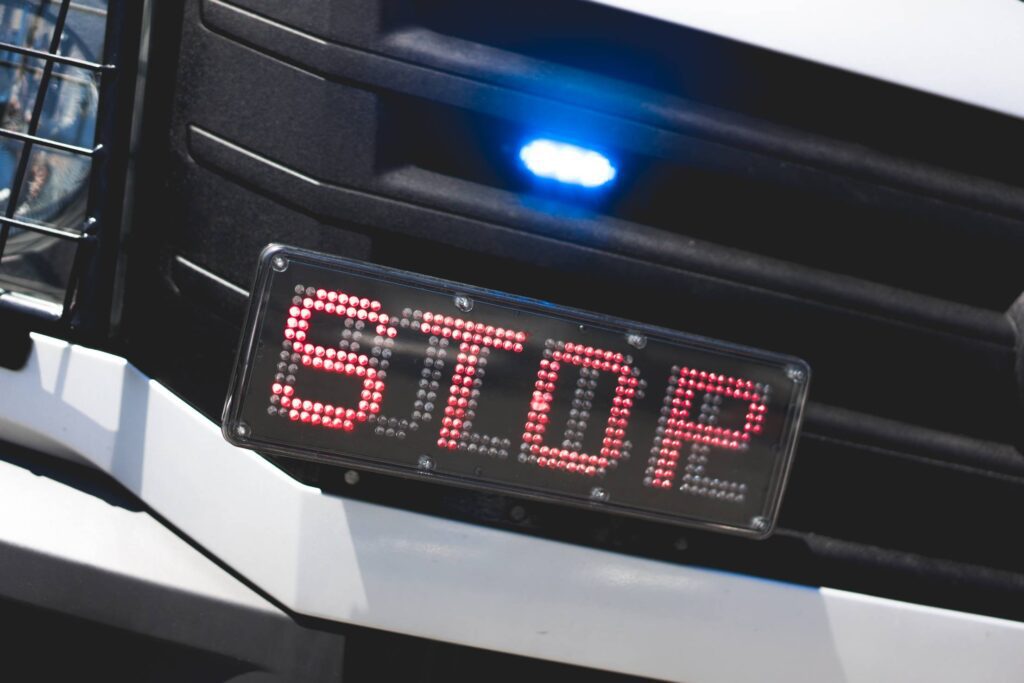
column 761, row 200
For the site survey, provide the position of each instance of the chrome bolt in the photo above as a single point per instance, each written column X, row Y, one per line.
column 759, row 524
column 426, row 463
column 637, row 341
column 598, row 493
column 796, row 374
column 242, row 430
column 279, row 263
column 463, row 303
column 351, row 477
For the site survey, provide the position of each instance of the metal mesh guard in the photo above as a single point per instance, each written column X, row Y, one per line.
column 38, row 38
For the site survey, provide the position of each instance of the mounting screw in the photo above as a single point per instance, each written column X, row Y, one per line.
column 598, row 493
column 463, row 303
column 242, row 430
column 517, row 513
column 796, row 374
column 426, row 463
column 759, row 524
column 279, row 263
column 351, row 477
column 636, row 340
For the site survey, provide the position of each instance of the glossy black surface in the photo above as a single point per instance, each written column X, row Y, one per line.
column 731, row 462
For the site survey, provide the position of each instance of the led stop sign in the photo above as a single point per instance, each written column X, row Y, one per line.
column 348, row 363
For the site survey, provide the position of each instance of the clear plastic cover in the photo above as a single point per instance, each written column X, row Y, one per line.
column 354, row 364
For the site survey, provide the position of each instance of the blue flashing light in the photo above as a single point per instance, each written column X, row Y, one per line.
column 566, row 163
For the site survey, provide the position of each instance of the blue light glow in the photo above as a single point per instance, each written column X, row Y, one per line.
column 567, row 163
